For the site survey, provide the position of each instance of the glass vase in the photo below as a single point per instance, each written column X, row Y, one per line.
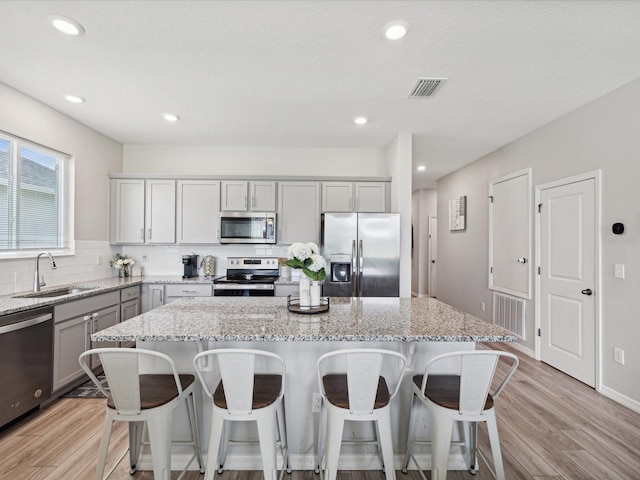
column 314, row 292
column 305, row 294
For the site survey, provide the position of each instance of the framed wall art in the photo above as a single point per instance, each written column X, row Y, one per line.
column 458, row 213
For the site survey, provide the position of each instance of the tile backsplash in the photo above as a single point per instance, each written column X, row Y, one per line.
column 167, row 259
column 90, row 262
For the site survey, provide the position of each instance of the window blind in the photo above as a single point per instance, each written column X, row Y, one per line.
column 34, row 190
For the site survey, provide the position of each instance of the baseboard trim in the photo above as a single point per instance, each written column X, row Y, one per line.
column 521, row 348
column 308, row 462
column 621, row 398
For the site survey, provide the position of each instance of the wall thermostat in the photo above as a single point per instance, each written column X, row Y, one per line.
column 618, row 228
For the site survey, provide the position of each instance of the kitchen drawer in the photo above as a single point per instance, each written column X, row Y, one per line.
column 94, row 303
column 187, row 290
column 129, row 293
column 285, row 290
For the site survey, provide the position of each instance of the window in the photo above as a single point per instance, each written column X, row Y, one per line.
column 35, row 198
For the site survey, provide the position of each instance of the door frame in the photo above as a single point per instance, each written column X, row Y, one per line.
column 596, row 175
column 430, row 281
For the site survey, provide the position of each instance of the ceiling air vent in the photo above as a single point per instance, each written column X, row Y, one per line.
column 426, row 87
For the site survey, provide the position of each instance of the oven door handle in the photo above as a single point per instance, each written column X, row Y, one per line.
column 25, row 324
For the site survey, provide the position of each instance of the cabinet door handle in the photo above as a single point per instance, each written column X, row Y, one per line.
column 253, row 201
column 245, row 201
column 142, row 233
column 149, row 234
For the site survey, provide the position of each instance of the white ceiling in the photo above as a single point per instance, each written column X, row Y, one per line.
column 296, row 73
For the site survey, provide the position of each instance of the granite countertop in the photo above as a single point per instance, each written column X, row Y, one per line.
column 267, row 319
column 18, row 302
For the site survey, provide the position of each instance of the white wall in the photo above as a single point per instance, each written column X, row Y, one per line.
column 399, row 154
column 601, row 135
column 210, row 160
column 424, row 205
column 95, row 155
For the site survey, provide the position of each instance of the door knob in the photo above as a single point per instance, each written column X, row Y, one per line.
column 587, row 291
column 433, row 261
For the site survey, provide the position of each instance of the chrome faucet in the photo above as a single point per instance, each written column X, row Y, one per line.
column 36, row 281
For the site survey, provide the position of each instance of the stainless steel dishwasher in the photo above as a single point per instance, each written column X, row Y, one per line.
column 26, row 361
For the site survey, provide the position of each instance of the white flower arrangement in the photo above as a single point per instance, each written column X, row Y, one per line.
column 122, row 262
column 306, row 256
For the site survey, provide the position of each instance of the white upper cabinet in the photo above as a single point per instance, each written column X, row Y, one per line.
column 234, row 196
column 371, row 197
column 160, row 211
column 298, row 212
column 198, row 211
column 354, row 197
column 242, row 196
column 262, row 196
column 143, row 211
column 337, row 197
column 127, row 211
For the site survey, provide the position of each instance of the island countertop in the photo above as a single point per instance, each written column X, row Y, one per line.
column 267, row 319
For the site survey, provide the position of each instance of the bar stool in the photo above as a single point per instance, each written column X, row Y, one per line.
column 149, row 399
column 242, row 395
column 353, row 388
column 459, row 397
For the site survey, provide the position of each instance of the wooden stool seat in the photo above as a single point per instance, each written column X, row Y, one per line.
column 266, row 390
column 157, row 389
column 456, row 387
column 337, row 391
column 444, row 390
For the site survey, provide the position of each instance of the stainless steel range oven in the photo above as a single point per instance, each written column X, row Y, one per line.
column 248, row 277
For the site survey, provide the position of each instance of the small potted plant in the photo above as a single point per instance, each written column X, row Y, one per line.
column 123, row 263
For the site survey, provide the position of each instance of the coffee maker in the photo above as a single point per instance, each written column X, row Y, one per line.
column 190, row 263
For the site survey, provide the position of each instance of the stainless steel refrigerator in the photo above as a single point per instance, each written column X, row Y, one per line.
column 362, row 251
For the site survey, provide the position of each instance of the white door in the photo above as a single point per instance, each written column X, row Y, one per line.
column 433, row 255
column 567, row 279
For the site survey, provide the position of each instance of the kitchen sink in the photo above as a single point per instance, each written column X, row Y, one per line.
column 59, row 292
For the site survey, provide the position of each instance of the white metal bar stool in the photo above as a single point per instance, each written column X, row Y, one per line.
column 242, row 395
column 353, row 388
column 147, row 399
column 461, row 396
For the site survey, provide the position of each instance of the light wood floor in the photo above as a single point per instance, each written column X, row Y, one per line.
column 551, row 428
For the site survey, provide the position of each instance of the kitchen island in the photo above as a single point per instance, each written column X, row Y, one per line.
column 420, row 328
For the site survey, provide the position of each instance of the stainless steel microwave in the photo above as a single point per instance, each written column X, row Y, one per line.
column 247, row 227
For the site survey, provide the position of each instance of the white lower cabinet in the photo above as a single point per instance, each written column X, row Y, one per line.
column 154, row 296
column 74, row 323
column 178, row 291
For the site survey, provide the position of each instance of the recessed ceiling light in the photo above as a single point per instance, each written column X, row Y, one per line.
column 66, row 25
column 360, row 120
column 74, row 99
column 421, row 168
column 396, row 30
column 170, row 117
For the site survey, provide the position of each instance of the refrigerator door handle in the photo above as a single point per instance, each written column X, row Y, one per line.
column 353, row 268
column 361, row 269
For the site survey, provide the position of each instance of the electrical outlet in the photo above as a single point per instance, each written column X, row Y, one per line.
column 99, row 260
column 483, row 306
column 618, row 356
column 618, row 270
column 316, row 403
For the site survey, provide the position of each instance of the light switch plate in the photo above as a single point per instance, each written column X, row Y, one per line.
column 618, row 271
